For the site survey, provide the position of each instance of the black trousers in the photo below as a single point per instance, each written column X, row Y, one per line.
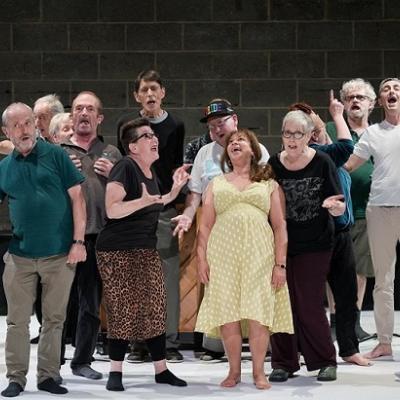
column 306, row 278
column 342, row 279
column 88, row 284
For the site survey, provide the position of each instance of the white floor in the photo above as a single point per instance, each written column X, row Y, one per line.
column 376, row 382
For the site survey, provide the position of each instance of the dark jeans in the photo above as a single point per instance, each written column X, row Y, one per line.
column 343, row 282
column 88, row 283
column 306, row 278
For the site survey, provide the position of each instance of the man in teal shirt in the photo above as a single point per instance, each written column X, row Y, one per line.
column 48, row 216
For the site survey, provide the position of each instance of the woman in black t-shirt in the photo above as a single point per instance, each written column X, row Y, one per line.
column 129, row 264
column 311, row 186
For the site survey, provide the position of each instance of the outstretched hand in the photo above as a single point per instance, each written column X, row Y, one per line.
column 181, row 176
column 149, row 199
column 336, row 108
column 334, row 204
column 183, row 224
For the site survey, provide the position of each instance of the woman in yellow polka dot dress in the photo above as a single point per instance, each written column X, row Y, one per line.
column 241, row 255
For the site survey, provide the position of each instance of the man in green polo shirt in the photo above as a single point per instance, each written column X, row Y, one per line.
column 48, row 216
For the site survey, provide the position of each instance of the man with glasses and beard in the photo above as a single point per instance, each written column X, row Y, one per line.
column 358, row 97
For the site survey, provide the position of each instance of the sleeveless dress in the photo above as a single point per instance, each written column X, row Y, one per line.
column 240, row 254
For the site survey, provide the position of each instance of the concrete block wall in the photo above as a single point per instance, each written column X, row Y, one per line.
column 260, row 54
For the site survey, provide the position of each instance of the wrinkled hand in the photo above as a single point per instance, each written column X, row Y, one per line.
column 335, row 106
column 278, row 277
column 103, row 166
column 203, row 272
column 181, row 176
column 149, row 199
column 77, row 253
column 77, row 162
column 183, row 224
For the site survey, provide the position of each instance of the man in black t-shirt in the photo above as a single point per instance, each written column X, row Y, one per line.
column 149, row 93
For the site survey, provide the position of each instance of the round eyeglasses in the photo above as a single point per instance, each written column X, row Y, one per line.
column 294, row 135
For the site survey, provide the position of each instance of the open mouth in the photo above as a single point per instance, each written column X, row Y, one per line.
column 151, row 102
column 392, row 99
column 154, row 148
column 355, row 107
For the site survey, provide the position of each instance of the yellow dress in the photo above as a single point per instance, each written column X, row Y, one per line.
column 240, row 253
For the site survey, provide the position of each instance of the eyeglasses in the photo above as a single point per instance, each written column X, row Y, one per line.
column 219, row 125
column 294, row 135
column 147, row 135
column 358, row 97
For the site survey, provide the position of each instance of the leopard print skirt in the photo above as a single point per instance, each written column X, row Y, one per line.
column 134, row 293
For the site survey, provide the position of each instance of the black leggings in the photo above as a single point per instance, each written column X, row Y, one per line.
column 117, row 348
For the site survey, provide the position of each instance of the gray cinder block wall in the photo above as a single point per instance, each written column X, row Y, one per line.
column 260, row 54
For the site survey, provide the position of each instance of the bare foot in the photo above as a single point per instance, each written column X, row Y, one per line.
column 261, row 382
column 358, row 359
column 381, row 350
column 231, row 380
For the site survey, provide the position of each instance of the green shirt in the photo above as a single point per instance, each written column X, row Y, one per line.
column 40, row 207
column 360, row 178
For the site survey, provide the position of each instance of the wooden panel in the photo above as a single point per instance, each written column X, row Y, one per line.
column 190, row 288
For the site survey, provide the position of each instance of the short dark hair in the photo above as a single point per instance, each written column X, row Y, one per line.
column 148, row 75
column 128, row 131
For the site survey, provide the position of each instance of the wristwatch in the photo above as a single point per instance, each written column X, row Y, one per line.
column 283, row 266
column 77, row 241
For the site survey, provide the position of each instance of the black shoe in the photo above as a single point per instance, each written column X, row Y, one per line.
column 114, row 382
column 169, row 378
column 211, row 356
column 35, row 340
column 49, row 385
column 87, row 371
column 139, row 356
column 279, row 375
column 174, row 356
column 327, row 374
column 12, row 390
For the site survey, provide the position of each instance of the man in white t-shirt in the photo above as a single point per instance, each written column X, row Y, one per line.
column 221, row 119
column 382, row 142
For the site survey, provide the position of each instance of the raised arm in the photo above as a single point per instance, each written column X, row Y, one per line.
column 336, row 109
column 180, row 178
